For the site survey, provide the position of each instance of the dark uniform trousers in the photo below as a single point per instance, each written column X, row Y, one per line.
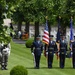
column 73, row 55
column 37, row 52
column 63, row 48
column 37, row 60
column 62, row 60
column 51, row 49
column 73, row 59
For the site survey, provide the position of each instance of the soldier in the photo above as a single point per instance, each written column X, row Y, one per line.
column 62, row 51
column 50, row 51
column 1, row 46
column 73, row 52
column 38, row 48
column 4, row 59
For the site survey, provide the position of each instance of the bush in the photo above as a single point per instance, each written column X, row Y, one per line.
column 18, row 70
column 29, row 42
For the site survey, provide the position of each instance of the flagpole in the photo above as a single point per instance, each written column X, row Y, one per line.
column 46, row 42
column 58, row 39
column 71, row 34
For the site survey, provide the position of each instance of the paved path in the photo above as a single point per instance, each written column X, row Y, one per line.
column 19, row 41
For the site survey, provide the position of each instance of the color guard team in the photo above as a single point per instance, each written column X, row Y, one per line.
column 59, row 48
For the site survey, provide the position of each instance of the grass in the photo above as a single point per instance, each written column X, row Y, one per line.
column 20, row 55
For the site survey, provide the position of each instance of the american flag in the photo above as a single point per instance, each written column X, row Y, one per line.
column 46, row 34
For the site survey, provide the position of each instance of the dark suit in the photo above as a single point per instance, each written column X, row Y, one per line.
column 63, row 49
column 38, row 48
column 73, row 55
column 51, row 49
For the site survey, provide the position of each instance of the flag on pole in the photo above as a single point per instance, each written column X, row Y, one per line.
column 71, row 33
column 58, row 32
column 46, row 34
column 58, row 38
column 71, row 36
column 71, row 30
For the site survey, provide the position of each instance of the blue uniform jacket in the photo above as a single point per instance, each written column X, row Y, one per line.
column 63, row 47
column 37, row 48
column 52, row 47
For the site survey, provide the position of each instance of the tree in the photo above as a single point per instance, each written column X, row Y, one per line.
column 59, row 10
column 26, row 9
column 41, row 10
column 4, row 36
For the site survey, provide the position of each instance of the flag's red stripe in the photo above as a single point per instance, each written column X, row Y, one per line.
column 46, row 40
column 46, row 33
column 46, row 37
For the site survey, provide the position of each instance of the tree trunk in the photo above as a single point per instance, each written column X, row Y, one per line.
column 19, row 25
column 63, row 28
column 36, row 29
column 27, row 27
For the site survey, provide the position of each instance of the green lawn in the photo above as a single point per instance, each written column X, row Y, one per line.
column 20, row 55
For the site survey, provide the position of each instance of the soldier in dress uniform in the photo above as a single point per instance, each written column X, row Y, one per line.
column 36, row 49
column 50, row 51
column 73, row 53
column 62, row 51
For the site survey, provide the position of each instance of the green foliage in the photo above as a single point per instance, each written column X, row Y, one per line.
column 4, row 35
column 36, row 10
column 18, row 70
column 29, row 42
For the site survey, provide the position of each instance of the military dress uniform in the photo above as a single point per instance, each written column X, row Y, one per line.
column 62, row 55
column 73, row 53
column 51, row 49
column 36, row 49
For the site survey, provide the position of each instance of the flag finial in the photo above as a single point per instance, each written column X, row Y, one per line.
column 46, row 17
column 59, row 17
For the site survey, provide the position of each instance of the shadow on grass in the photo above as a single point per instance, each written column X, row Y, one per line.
column 50, row 68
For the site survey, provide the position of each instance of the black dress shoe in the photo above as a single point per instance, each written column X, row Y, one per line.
column 36, row 67
column 49, row 67
column 2, row 68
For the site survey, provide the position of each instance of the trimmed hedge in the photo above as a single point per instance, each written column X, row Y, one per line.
column 18, row 70
column 29, row 42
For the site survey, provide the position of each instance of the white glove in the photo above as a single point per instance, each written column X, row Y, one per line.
column 41, row 53
column 0, row 54
column 32, row 53
column 58, row 53
column 46, row 53
column 8, row 53
column 71, row 53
